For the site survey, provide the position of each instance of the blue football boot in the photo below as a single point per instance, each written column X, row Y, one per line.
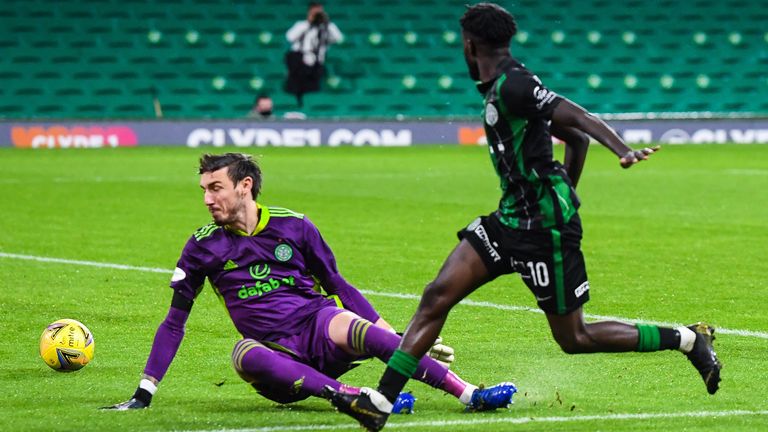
column 487, row 399
column 404, row 404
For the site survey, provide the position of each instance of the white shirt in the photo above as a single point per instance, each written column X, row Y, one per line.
column 309, row 44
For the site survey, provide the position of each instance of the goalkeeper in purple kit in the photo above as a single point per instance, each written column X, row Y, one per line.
column 266, row 264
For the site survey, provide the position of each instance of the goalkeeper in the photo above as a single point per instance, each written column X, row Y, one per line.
column 264, row 263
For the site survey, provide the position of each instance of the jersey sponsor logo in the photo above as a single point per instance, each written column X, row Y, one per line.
column 480, row 231
column 491, row 115
column 581, row 289
column 543, row 95
column 264, row 283
column 259, row 272
column 260, row 288
column 178, row 275
column 283, row 252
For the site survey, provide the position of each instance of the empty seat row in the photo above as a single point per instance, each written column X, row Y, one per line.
column 211, row 57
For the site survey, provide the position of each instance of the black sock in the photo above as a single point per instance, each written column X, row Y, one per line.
column 669, row 338
column 391, row 384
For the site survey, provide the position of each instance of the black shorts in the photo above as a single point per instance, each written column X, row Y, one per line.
column 549, row 261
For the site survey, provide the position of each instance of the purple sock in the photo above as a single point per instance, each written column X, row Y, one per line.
column 276, row 375
column 366, row 338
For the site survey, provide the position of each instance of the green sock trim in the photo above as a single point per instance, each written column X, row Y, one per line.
column 649, row 338
column 403, row 363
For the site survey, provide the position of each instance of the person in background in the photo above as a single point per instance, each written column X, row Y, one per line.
column 305, row 60
column 262, row 108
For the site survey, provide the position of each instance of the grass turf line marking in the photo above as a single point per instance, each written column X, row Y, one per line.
column 82, row 263
column 507, row 420
column 465, row 302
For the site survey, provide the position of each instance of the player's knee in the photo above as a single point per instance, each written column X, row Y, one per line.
column 569, row 346
column 573, row 343
column 239, row 352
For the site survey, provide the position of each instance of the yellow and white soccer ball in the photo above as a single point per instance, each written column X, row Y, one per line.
column 66, row 345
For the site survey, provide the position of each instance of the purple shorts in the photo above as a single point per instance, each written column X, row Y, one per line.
column 314, row 347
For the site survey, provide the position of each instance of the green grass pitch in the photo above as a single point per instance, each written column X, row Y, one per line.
column 677, row 239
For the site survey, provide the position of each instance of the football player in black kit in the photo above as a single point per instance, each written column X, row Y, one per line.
column 535, row 230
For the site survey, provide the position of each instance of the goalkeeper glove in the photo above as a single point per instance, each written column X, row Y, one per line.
column 140, row 400
column 443, row 354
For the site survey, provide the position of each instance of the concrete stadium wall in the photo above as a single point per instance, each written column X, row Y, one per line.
column 91, row 134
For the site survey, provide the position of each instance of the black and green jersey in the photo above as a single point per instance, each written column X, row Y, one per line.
column 536, row 191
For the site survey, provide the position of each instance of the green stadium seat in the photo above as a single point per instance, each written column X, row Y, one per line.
column 87, row 109
column 324, row 109
column 233, row 105
column 11, row 110
column 48, row 109
column 8, row 11
column 24, row 92
column 138, row 44
column 190, row 88
column 64, row 91
column 132, row 110
column 374, row 86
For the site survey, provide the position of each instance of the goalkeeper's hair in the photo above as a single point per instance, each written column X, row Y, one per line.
column 240, row 166
column 490, row 23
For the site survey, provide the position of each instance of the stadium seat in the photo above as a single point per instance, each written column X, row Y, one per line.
column 389, row 51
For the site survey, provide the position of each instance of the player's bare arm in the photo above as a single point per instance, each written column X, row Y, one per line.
column 569, row 114
column 576, row 146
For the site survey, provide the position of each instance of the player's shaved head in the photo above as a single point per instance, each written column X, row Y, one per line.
column 239, row 167
column 489, row 24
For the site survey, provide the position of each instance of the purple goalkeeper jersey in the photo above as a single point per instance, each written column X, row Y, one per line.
column 267, row 280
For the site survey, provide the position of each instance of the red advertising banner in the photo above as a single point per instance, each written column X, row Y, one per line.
column 72, row 136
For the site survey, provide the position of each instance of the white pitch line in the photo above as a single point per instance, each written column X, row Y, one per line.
column 465, row 302
column 83, row 263
column 477, row 420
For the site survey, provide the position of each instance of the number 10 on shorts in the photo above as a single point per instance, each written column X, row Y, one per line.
column 539, row 273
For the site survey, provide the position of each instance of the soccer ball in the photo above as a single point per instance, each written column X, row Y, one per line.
column 66, row 345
